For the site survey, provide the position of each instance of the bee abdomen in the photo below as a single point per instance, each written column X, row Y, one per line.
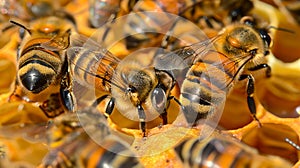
column 35, row 74
column 202, row 91
column 34, row 81
column 217, row 152
column 38, row 67
column 113, row 154
column 124, row 158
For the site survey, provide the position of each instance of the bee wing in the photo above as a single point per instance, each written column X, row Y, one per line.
column 91, row 64
column 58, row 42
column 183, row 57
column 34, row 132
column 68, row 127
column 19, row 119
column 71, row 133
column 94, row 123
column 79, row 135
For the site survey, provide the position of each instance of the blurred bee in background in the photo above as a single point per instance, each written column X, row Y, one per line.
column 25, row 10
column 2, row 152
column 105, row 11
column 144, row 25
column 151, row 19
column 102, row 11
column 133, row 85
column 216, row 65
column 209, row 16
column 42, row 68
column 215, row 14
column 84, row 140
column 223, row 151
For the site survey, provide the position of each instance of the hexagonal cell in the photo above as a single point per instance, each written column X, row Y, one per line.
column 276, row 96
column 270, row 139
column 280, row 106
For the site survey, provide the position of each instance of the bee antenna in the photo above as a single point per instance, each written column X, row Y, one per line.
column 281, row 29
column 20, row 25
column 108, row 81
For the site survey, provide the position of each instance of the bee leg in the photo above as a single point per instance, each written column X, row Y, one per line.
column 261, row 66
column 250, row 91
column 142, row 117
column 164, row 117
column 110, row 105
column 67, row 99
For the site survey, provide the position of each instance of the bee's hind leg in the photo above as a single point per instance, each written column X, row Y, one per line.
column 250, row 92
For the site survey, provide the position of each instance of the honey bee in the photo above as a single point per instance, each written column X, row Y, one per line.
column 135, row 87
column 106, row 11
column 27, row 10
column 84, row 140
column 42, row 68
column 209, row 16
column 222, row 151
column 215, row 14
column 216, row 65
column 149, row 21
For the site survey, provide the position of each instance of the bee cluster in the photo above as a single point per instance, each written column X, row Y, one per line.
column 137, row 83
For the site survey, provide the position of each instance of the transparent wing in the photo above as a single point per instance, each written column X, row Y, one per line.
column 207, row 81
column 78, row 136
column 58, row 42
column 68, row 127
column 184, row 57
column 91, row 64
column 94, row 124
column 19, row 119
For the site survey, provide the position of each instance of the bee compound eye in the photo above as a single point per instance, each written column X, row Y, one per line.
column 158, row 99
column 265, row 36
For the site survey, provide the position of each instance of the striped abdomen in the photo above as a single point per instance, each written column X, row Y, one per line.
column 39, row 68
column 223, row 152
column 84, row 152
column 206, row 85
column 92, row 68
column 113, row 154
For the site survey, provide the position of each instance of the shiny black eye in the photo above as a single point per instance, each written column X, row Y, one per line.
column 158, row 99
column 265, row 36
column 235, row 14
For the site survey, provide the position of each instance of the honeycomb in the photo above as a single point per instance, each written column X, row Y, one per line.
column 24, row 126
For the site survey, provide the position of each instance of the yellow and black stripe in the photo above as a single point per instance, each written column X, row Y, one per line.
column 223, row 152
column 84, row 140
